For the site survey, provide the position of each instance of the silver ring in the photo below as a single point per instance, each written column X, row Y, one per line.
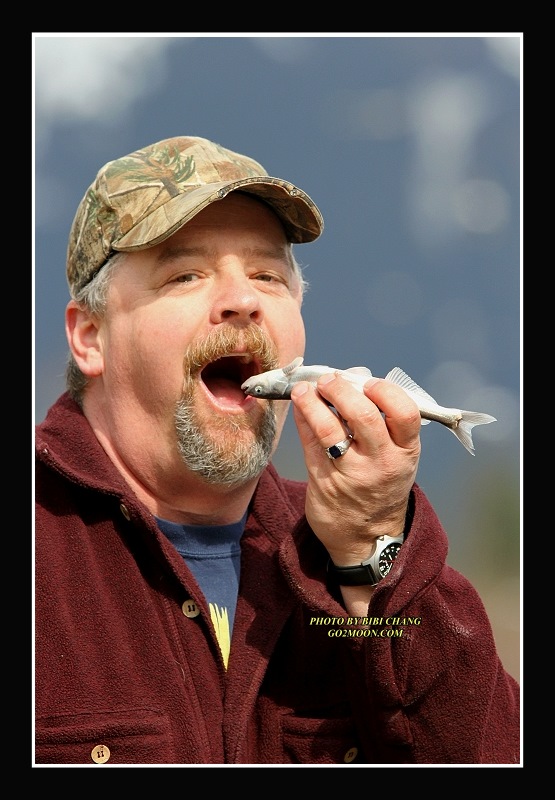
column 339, row 449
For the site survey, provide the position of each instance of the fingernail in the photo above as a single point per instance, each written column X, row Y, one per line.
column 327, row 378
column 300, row 389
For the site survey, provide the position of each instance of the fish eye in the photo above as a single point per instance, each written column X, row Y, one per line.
column 258, row 389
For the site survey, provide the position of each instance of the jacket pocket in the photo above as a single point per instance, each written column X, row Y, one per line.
column 128, row 736
column 317, row 741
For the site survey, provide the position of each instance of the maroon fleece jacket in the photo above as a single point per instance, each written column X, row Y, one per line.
column 128, row 668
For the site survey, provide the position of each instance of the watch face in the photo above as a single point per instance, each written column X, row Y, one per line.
column 387, row 557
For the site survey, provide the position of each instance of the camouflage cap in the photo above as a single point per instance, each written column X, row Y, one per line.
column 143, row 198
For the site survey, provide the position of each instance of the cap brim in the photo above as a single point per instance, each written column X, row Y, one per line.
column 299, row 214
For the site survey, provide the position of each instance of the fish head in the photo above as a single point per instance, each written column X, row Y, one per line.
column 271, row 385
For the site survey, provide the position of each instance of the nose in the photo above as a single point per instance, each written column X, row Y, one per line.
column 236, row 299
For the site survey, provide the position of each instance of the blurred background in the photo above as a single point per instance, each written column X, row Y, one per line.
column 411, row 147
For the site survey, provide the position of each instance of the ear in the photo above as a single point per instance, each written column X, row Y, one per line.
column 84, row 342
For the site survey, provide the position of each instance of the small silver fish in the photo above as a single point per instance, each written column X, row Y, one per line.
column 276, row 384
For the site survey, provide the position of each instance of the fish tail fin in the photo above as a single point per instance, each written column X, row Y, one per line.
column 463, row 431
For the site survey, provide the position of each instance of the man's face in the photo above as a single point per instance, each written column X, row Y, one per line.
column 187, row 322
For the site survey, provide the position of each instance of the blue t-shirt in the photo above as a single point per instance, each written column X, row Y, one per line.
column 213, row 554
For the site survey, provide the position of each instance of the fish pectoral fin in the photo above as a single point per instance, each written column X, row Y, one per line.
column 400, row 378
column 293, row 365
column 280, row 387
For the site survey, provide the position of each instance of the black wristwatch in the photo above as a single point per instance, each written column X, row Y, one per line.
column 374, row 569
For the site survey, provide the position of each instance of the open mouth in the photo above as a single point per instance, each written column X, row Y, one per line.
column 223, row 378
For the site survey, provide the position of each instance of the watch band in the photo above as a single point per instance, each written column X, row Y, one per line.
column 368, row 572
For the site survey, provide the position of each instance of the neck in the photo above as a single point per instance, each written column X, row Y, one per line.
column 216, row 506
column 189, row 499
column 168, row 489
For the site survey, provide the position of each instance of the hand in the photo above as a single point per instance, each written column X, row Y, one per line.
column 363, row 494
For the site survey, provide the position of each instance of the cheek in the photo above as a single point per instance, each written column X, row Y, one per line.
column 149, row 353
column 288, row 332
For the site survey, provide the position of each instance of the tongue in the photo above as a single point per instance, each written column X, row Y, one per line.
column 226, row 391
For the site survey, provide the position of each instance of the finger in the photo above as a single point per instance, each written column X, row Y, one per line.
column 401, row 414
column 318, row 425
column 390, row 416
column 362, row 418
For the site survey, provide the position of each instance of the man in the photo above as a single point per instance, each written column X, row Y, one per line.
column 192, row 607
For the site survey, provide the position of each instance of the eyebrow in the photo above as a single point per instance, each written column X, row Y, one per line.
column 177, row 251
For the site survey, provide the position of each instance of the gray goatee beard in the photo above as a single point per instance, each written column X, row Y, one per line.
column 219, row 452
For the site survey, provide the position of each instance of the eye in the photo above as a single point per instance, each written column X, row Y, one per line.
column 270, row 277
column 258, row 390
column 186, row 277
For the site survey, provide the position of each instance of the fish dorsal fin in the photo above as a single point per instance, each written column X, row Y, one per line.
column 293, row 365
column 360, row 371
column 397, row 376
